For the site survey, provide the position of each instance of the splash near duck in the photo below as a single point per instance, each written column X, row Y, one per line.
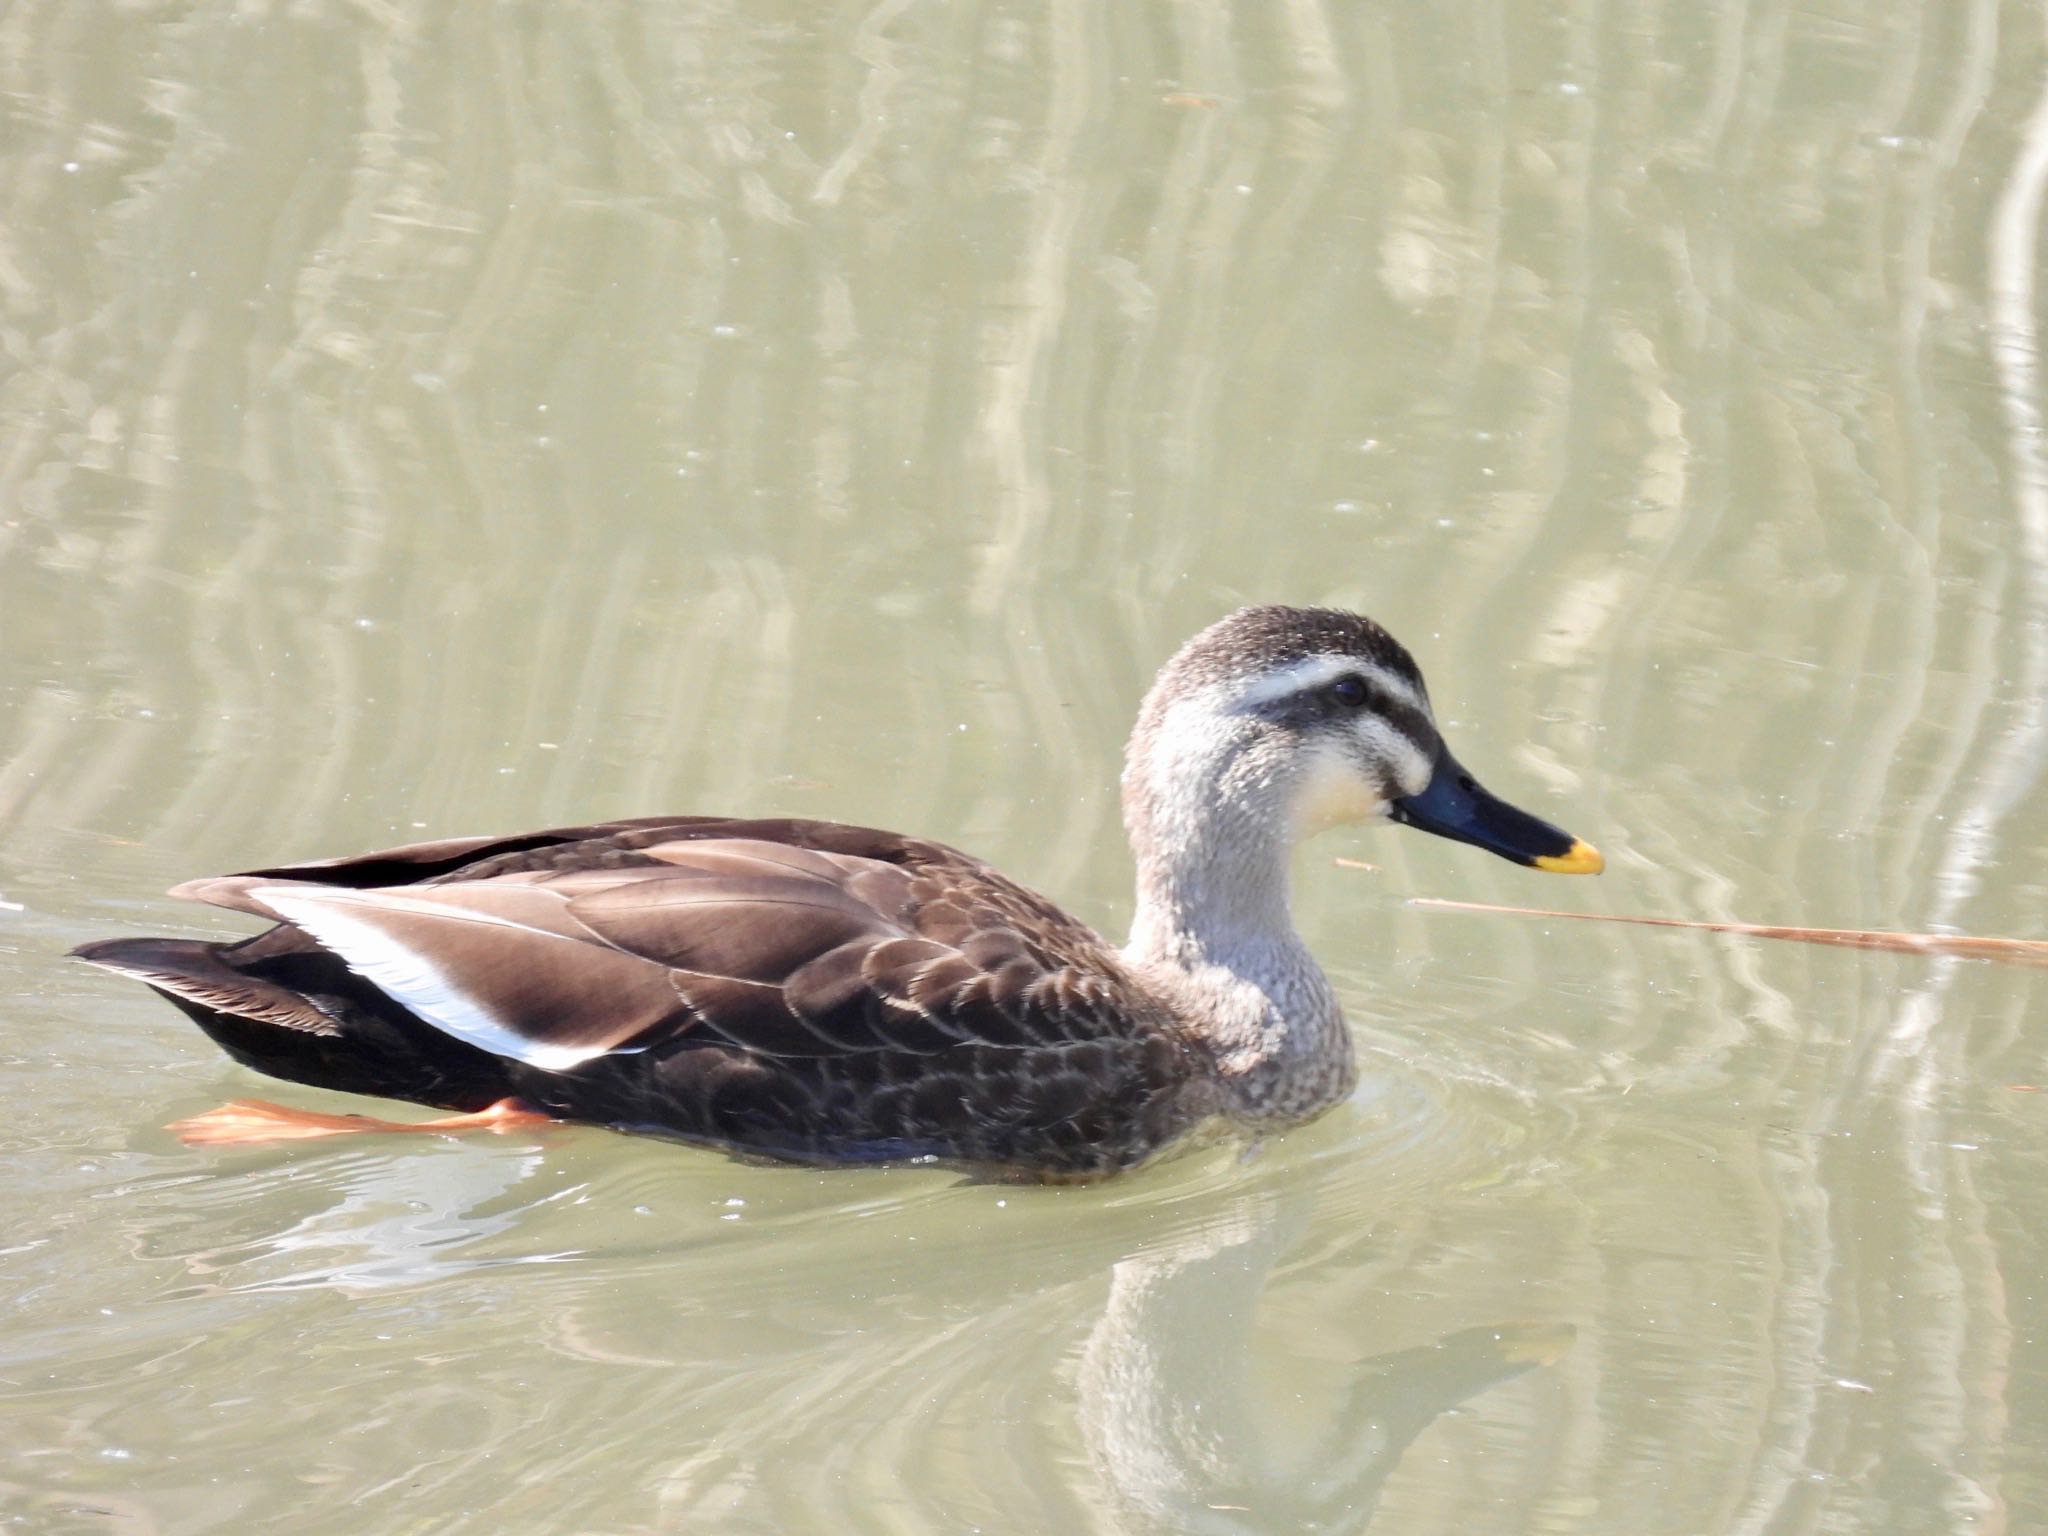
column 808, row 991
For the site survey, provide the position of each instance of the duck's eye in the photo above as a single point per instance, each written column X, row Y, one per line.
column 1349, row 691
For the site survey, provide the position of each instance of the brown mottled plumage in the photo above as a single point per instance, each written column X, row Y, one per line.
column 825, row 993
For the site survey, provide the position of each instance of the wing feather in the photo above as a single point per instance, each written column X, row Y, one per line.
column 751, row 926
column 787, row 941
column 506, row 984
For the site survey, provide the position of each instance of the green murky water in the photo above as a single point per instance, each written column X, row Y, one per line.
column 422, row 419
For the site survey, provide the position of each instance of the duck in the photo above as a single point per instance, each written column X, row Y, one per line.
column 804, row 991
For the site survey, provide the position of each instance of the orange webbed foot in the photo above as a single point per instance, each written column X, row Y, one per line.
column 252, row 1122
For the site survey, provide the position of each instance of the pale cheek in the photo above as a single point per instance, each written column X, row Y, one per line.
column 1331, row 797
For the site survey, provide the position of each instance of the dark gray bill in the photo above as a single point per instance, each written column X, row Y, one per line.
column 1454, row 805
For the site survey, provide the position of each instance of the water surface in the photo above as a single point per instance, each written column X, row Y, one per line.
column 430, row 419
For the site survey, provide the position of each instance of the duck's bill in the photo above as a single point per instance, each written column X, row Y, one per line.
column 1453, row 804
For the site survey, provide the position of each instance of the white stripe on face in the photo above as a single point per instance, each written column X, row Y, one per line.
column 1319, row 671
column 1340, row 784
column 1409, row 764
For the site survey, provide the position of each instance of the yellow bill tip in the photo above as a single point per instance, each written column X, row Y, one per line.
column 1579, row 859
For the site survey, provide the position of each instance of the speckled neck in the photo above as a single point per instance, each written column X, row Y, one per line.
column 1208, row 806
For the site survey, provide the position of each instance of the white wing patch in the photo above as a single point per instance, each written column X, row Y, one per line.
column 407, row 976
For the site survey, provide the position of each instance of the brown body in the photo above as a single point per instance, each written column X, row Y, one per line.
column 811, row 991
column 905, row 1000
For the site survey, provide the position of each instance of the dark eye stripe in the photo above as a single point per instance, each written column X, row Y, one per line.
column 1355, row 691
column 1316, row 706
column 1401, row 715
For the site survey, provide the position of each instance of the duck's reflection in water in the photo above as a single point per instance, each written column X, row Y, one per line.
column 1178, row 1430
column 954, row 1356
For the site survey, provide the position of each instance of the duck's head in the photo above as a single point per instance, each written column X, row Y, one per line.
column 1281, row 722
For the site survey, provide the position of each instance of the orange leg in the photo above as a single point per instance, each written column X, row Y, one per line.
column 250, row 1121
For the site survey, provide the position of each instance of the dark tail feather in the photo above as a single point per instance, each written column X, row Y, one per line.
column 314, row 1023
column 188, row 971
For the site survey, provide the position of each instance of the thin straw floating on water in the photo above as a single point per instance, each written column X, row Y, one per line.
column 2009, row 951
